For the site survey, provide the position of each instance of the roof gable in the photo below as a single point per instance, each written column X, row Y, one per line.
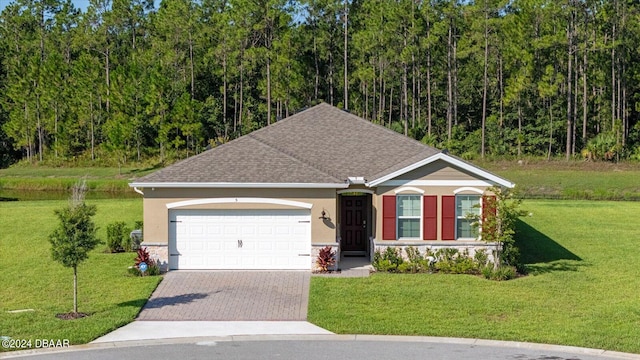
column 320, row 146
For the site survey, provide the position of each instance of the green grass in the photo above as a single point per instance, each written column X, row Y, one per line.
column 32, row 178
column 30, row 279
column 582, row 290
column 571, row 180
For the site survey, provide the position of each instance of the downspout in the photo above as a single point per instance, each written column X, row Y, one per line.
column 138, row 191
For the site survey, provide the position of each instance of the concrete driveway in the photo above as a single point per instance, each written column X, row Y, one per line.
column 229, row 296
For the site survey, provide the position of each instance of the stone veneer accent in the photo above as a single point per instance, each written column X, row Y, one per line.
column 470, row 247
column 159, row 253
column 315, row 251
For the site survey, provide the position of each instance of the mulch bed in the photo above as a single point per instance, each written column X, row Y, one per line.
column 71, row 315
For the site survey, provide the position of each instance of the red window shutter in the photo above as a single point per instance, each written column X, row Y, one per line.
column 430, row 217
column 489, row 208
column 448, row 217
column 388, row 217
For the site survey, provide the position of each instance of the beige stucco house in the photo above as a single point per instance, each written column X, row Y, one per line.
column 322, row 177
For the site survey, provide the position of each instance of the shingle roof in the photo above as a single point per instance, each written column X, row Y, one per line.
column 322, row 144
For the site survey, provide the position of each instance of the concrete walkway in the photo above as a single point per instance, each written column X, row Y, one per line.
column 150, row 330
column 229, row 296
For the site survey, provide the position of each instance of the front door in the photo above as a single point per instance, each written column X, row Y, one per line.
column 353, row 225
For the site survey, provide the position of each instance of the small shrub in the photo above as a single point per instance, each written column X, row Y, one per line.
column 387, row 261
column 326, row 258
column 143, row 256
column 481, row 258
column 118, row 237
column 500, row 273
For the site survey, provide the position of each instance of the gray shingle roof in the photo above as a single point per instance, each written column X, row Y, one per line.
column 322, row 144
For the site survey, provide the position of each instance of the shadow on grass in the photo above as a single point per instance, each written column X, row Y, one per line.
column 137, row 171
column 541, row 254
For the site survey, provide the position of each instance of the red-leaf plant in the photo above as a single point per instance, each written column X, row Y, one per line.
column 326, row 258
column 143, row 257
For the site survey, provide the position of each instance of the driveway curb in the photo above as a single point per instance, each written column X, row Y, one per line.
column 428, row 339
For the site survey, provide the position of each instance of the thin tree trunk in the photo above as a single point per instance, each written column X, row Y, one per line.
column 191, row 66
column 449, row 84
column 390, row 106
column 224, row 92
column 268, row 88
column 485, row 80
column 569, row 83
column 584, row 91
column 75, row 289
column 550, row 130
column 428, row 76
column 317, row 66
column 519, row 128
column 346, row 32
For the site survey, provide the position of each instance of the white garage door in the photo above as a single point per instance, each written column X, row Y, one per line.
column 240, row 239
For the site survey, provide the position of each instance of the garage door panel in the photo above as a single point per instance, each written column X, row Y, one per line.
column 269, row 239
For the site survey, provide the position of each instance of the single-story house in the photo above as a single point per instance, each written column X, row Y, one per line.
column 273, row 198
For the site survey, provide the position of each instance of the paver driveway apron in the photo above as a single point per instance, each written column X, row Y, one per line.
column 230, row 296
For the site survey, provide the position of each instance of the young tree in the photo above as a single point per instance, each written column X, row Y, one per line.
column 499, row 215
column 75, row 236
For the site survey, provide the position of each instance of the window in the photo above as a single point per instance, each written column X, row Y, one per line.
column 466, row 205
column 409, row 213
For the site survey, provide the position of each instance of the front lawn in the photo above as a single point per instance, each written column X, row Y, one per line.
column 30, row 279
column 583, row 289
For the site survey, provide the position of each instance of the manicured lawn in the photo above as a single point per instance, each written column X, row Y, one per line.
column 40, row 178
column 571, row 180
column 30, row 279
column 583, row 289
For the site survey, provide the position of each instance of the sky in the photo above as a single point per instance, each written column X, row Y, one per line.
column 82, row 4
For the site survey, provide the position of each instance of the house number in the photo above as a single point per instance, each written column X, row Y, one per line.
column 239, row 243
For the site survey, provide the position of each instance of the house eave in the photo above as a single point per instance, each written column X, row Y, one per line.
column 449, row 159
column 224, row 185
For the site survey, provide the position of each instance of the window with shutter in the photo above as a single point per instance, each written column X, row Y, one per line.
column 388, row 217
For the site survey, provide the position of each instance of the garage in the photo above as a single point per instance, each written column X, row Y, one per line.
column 240, row 239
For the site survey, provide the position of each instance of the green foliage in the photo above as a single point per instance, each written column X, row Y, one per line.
column 444, row 260
column 387, row 261
column 500, row 273
column 75, row 236
column 130, row 81
column 451, row 261
column 604, row 146
column 118, row 237
column 498, row 224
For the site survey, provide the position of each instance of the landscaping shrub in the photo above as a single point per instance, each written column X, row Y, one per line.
column 387, row 261
column 118, row 239
column 451, row 261
column 500, row 273
column 326, row 258
column 142, row 256
column 445, row 260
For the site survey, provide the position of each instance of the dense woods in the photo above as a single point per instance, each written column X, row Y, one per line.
column 124, row 81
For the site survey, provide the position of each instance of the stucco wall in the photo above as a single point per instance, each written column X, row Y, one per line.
column 439, row 170
column 156, row 213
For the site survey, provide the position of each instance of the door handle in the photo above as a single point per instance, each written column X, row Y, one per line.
column 239, row 243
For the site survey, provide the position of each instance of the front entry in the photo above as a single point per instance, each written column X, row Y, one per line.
column 354, row 225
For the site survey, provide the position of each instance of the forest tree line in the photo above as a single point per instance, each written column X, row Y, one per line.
column 124, row 81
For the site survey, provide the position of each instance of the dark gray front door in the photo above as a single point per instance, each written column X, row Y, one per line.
column 353, row 224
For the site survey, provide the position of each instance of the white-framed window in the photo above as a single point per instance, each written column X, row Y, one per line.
column 409, row 216
column 466, row 205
